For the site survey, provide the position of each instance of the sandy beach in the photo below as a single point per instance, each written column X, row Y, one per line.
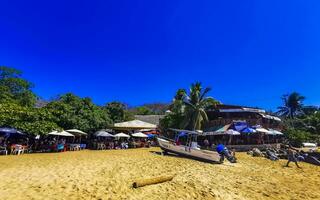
column 110, row 174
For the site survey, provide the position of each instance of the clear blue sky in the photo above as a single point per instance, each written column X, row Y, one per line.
column 249, row 52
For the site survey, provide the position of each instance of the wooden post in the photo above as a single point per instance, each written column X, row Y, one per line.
column 151, row 181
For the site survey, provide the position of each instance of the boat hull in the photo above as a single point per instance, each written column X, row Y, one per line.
column 185, row 151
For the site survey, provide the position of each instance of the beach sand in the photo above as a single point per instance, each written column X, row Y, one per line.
column 110, row 174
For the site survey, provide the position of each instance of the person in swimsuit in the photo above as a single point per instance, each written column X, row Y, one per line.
column 292, row 156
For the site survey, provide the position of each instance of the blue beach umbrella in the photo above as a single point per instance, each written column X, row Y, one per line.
column 7, row 132
column 248, row 130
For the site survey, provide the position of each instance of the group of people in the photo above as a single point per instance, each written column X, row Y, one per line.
column 121, row 144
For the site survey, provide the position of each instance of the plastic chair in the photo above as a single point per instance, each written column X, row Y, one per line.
column 18, row 149
column 3, row 150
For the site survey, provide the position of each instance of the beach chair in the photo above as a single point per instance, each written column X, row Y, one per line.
column 17, row 150
column 3, row 150
column 83, row 146
column 71, row 147
column 60, row 147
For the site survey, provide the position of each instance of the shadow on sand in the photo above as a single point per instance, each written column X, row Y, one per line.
column 159, row 153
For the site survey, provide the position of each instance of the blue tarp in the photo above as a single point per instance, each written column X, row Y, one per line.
column 239, row 126
column 150, row 136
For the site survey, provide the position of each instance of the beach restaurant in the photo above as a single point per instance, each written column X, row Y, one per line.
column 242, row 127
column 242, row 136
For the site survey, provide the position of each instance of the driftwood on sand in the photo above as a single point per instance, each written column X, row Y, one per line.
column 151, row 181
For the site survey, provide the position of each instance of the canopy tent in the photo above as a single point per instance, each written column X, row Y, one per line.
column 62, row 133
column 77, row 132
column 103, row 134
column 182, row 134
column 123, row 135
column 134, row 125
column 140, row 135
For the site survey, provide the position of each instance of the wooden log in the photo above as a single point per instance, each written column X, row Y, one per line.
column 151, row 181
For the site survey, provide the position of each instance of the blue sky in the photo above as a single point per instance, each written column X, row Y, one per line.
column 249, row 52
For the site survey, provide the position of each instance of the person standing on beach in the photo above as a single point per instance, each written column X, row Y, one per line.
column 292, row 156
column 206, row 143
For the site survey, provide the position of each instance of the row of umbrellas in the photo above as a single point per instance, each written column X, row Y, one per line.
column 72, row 133
column 227, row 130
column 120, row 135
column 102, row 133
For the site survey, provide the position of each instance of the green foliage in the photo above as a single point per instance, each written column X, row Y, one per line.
column 292, row 105
column 143, row 110
column 189, row 110
column 297, row 137
column 196, row 104
column 157, row 108
column 118, row 112
column 175, row 118
column 27, row 119
column 73, row 112
column 14, row 89
column 172, row 120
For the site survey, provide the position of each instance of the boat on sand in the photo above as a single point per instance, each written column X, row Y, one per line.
column 190, row 150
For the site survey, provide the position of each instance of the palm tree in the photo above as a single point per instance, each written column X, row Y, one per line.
column 293, row 105
column 195, row 106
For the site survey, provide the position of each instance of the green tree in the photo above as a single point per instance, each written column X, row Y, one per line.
column 118, row 112
column 143, row 110
column 297, row 137
column 292, row 105
column 27, row 119
column 157, row 108
column 73, row 112
column 174, row 118
column 189, row 110
column 196, row 104
column 15, row 89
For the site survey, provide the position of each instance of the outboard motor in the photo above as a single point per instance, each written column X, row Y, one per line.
column 225, row 153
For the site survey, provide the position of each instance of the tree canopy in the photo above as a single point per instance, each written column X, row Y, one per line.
column 118, row 112
column 15, row 89
column 73, row 112
column 302, row 123
column 292, row 105
column 30, row 120
column 188, row 110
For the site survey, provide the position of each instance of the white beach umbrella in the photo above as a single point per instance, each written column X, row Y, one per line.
column 275, row 132
column 103, row 134
column 123, row 135
column 232, row 132
column 62, row 133
column 76, row 131
column 263, row 130
column 141, row 135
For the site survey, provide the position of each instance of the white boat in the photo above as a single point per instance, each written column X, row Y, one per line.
column 188, row 151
